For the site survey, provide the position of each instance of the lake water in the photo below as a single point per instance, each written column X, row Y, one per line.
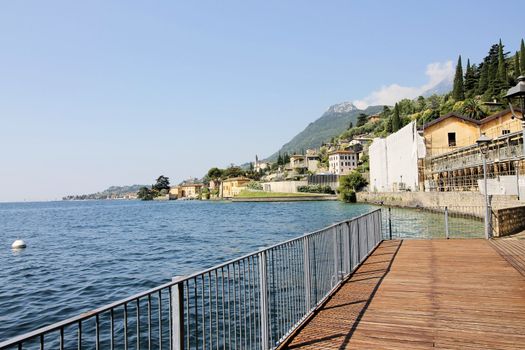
column 82, row 255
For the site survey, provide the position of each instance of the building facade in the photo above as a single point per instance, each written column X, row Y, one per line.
column 342, row 162
column 233, row 186
column 395, row 161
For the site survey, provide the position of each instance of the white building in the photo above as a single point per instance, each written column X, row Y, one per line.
column 342, row 162
column 394, row 160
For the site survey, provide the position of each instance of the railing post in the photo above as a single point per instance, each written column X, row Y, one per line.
column 447, row 234
column 177, row 302
column 336, row 255
column 390, row 222
column 307, row 276
column 263, row 283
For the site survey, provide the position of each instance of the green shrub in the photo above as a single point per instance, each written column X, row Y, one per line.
column 315, row 189
column 348, row 197
column 254, row 185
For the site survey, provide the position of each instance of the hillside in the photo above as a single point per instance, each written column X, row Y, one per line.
column 332, row 123
column 111, row 192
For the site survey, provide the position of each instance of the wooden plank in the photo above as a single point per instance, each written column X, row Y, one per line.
column 425, row 294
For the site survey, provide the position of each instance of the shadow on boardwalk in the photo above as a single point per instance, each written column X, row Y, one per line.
column 342, row 313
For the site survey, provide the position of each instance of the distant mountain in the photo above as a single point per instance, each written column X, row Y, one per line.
column 444, row 87
column 109, row 193
column 332, row 123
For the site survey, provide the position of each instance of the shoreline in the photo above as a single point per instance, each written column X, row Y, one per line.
column 286, row 199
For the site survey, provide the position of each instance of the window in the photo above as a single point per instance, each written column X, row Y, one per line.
column 505, row 131
column 451, row 139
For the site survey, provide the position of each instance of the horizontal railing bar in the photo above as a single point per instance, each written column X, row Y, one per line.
column 107, row 308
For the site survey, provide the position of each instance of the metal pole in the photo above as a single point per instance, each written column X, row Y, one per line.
column 487, row 216
column 390, row 222
column 523, row 123
column 177, row 302
column 516, row 167
column 307, row 279
column 447, row 233
column 263, row 301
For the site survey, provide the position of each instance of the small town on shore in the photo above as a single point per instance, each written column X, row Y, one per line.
column 402, row 155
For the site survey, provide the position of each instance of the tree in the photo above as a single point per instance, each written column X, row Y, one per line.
column 280, row 159
column 501, row 79
column 421, row 104
column 522, row 57
column 163, row 183
column 349, row 184
column 470, row 80
column 145, row 194
column 361, row 119
column 458, row 92
column 472, row 108
column 483, row 83
column 214, row 174
column 517, row 70
column 350, row 126
column 286, row 158
column 396, row 119
column 232, row 171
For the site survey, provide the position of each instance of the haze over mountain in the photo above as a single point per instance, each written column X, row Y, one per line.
column 333, row 122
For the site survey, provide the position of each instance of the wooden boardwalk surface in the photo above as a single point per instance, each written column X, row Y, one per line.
column 512, row 249
column 424, row 294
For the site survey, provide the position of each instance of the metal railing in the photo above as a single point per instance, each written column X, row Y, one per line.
column 252, row 302
column 434, row 222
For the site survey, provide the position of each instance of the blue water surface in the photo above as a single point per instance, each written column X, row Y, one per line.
column 82, row 255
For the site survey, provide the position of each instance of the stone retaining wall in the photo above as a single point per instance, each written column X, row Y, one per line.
column 508, row 221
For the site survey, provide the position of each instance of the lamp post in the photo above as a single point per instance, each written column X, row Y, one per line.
column 483, row 144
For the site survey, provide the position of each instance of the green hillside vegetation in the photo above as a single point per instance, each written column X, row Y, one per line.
column 327, row 126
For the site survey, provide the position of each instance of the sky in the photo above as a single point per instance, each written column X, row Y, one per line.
column 100, row 93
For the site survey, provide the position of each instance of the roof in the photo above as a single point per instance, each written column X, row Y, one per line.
column 342, row 152
column 450, row 115
column 497, row 115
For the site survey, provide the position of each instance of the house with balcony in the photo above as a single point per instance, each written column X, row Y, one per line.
column 453, row 161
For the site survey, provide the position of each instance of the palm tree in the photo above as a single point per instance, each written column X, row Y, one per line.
column 472, row 108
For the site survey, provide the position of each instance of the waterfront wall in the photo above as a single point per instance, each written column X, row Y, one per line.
column 508, row 221
column 436, row 199
column 283, row 186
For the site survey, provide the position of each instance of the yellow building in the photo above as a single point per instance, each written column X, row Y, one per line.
column 501, row 124
column 453, row 131
column 374, row 118
column 174, row 193
column 190, row 190
column 233, row 186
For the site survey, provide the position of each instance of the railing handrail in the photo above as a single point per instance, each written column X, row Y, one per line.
column 108, row 307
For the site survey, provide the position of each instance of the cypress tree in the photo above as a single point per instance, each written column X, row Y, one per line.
column 502, row 70
column 396, row 120
column 522, row 57
column 483, row 83
column 470, row 80
column 458, row 92
column 517, row 71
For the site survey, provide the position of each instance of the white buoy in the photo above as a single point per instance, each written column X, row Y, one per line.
column 18, row 244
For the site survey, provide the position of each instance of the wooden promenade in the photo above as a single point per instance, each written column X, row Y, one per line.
column 426, row 294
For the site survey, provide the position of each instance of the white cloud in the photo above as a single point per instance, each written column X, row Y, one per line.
column 390, row 94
